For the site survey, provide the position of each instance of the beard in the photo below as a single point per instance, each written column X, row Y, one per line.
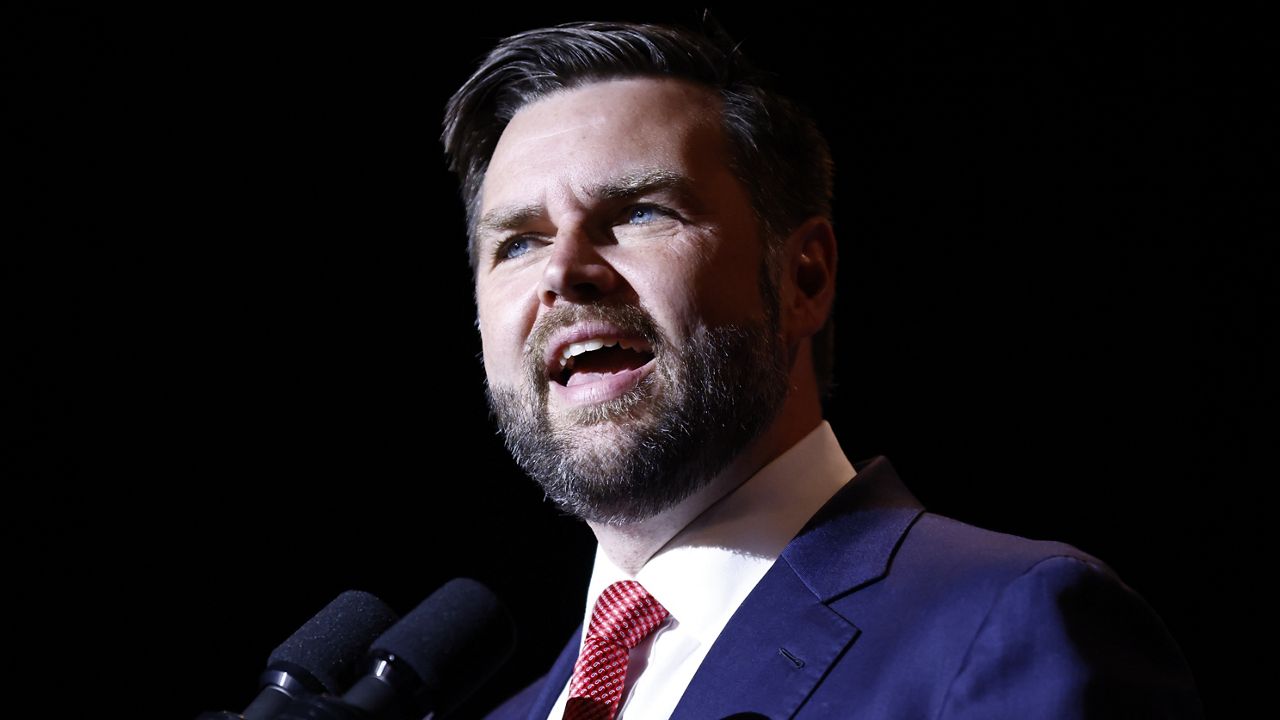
column 632, row 457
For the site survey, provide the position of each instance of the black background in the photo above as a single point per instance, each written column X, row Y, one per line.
column 247, row 372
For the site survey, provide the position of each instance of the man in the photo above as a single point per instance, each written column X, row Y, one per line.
column 654, row 273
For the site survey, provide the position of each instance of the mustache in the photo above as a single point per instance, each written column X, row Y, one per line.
column 631, row 319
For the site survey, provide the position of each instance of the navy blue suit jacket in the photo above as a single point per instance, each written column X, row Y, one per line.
column 878, row 609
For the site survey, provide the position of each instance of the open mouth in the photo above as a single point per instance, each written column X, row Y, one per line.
column 600, row 359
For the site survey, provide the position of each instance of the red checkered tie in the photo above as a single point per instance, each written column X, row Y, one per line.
column 622, row 617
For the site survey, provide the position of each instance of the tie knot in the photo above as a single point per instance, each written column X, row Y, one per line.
column 625, row 613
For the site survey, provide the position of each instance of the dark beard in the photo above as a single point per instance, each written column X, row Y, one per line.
column 671, row 435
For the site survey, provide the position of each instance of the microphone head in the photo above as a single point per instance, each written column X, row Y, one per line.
column 331, row 646
column 454, row 641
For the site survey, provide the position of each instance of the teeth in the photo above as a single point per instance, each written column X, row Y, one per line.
column 578, row 348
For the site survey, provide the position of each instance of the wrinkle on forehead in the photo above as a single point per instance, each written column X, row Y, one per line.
column 552, row 133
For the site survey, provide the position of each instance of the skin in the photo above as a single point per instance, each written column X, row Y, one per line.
column 690, row 256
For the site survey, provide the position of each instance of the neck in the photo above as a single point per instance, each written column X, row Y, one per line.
column 629, row 546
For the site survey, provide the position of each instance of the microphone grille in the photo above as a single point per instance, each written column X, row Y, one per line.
column 454, row 640
column 332, row 645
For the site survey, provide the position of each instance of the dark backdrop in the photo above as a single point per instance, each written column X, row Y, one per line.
column 248, row 374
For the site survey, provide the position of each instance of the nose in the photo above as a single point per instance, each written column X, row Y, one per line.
column 576, row 270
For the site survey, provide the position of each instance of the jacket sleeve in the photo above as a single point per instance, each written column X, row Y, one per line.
column 1068, row 639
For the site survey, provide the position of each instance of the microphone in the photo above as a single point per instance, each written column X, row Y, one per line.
column 321, row 656
column 427, row 663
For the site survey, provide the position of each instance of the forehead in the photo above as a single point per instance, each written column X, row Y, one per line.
column 577, row 138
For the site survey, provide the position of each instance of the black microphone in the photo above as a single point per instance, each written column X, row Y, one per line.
column 321, row 656
column 429, row 662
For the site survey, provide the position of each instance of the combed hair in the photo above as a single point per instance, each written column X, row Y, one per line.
column 776, row 150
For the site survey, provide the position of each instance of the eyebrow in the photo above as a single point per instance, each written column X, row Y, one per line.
column 640, row 183
column 632, row 184
column 507, row 218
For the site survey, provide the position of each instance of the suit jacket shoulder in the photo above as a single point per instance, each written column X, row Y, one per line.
column 970, row 623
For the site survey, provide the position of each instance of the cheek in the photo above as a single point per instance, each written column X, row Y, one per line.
column 695, row 282
column 734, row 279
column 501, row 340
column 665, row 285
column 489, row 351
column 502, row 353
column 724, row 288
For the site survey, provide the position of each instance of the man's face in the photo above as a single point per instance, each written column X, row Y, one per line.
column 630, row 331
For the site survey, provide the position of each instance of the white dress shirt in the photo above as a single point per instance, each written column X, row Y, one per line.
column 705, row 572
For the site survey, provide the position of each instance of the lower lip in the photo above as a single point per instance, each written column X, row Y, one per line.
column 607, row 388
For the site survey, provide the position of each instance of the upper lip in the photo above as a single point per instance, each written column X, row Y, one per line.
column 565, row 337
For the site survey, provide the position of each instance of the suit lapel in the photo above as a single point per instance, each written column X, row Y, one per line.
column 784, row 637
column 556, row 678
column 770, row 656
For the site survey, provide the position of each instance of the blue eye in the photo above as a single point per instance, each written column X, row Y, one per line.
column 513, row 248
column 642, row 214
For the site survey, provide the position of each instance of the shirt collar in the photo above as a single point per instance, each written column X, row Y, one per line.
column 705, row 572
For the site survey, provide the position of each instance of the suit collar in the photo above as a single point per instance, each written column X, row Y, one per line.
column 851, row 540
column 784, row 638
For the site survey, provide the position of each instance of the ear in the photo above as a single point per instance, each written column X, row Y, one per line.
column 809, row 278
